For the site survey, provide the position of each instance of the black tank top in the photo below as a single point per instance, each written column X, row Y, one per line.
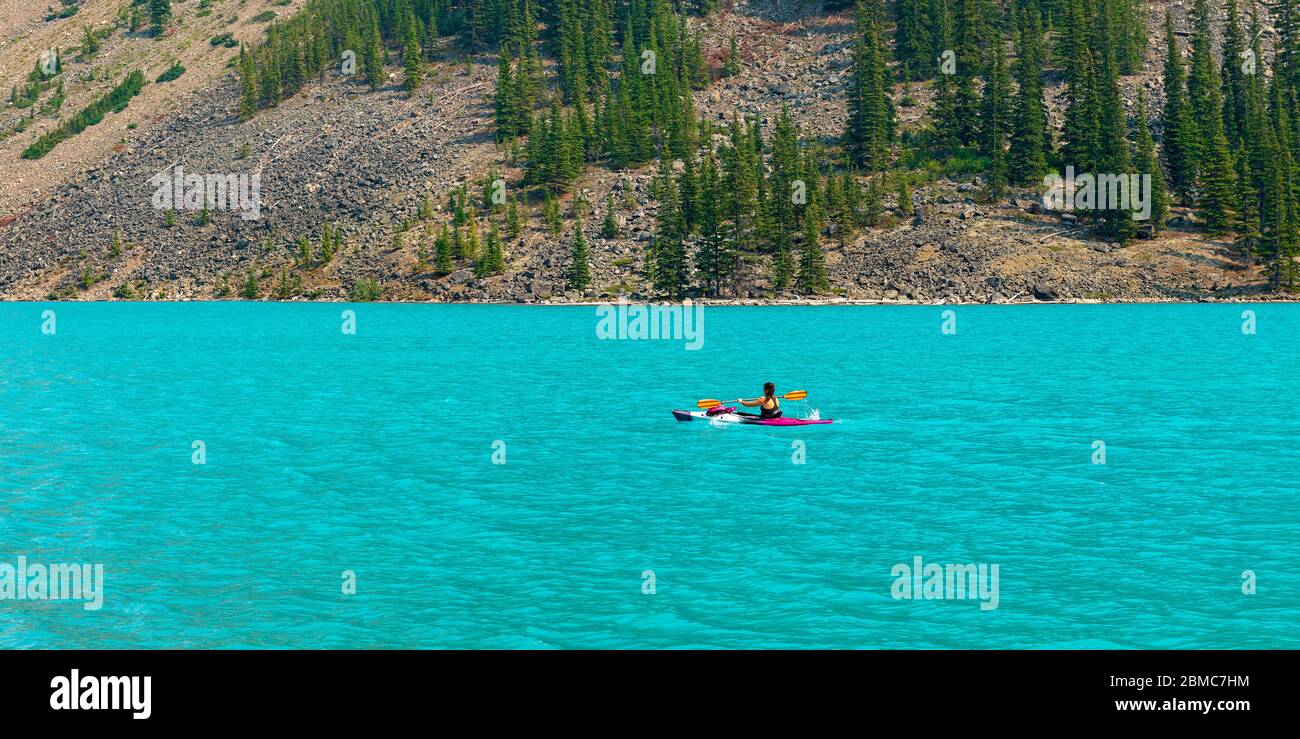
column 773, row 412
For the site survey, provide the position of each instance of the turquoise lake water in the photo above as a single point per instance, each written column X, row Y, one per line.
column 373, row 453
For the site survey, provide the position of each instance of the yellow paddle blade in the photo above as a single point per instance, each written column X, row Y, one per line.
column 796, row 395
column 708, row 403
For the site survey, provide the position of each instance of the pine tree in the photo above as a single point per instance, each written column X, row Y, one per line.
column 671, row 270
column 1181, row 140
column 731, row 64
column 496, row 258
column 429, row 20
column 1286, row 18
column 854, row 200
column 1279, row 237
column 579, row 276
column 784, row 182
column 873, row 207
column 783, row 267
column 940, row 29
column 739, row 193
column 869, row 130
column 609, row 228
column 1216, row 190
column 714, row 259
column 1029, row 142
column 599, row 42
column 528, row 78
column 160, row 13
column 572, row 54
column 248, row 97
column 1127, row 19
column 687, row 195
column 1256, row 131
column 1082, row 129
column 272, row 79
column 1144, row 162
column 1071, row 39
column 444, row 252
column 412, row 59
column 492, row 260
column 372, row 54
column 1112, row 146
column 812, row 262
column 1248, row 225
column 326, row 244
column 995, row 120
column 946, row 129
column 514, row 224
column 507, row 113
column 912, row 40
column 905, row 207
column 251, row 290
column 553, row 215
column 1203, row 91
column 969, row 34
column 422, row 255
column 459, row 202
column 1234, row 78
column 471, row 246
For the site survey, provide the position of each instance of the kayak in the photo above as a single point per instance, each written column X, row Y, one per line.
column 747, row 419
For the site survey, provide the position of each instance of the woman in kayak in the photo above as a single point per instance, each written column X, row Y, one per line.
column 768, row 405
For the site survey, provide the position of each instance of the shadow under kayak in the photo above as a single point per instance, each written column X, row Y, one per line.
column 748, row 419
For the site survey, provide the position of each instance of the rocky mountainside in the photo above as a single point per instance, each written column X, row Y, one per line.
column 375, row 168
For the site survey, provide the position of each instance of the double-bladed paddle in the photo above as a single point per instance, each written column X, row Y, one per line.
column 711, row 403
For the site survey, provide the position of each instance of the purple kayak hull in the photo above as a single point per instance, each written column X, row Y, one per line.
column 790, row 421
column 751, row 420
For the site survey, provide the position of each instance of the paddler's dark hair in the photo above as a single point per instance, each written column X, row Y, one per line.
column 769, row 389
